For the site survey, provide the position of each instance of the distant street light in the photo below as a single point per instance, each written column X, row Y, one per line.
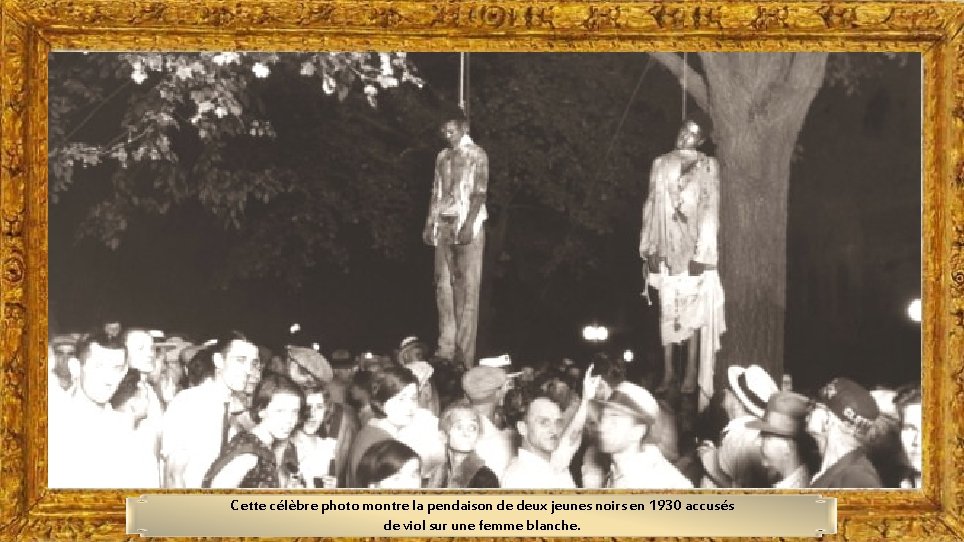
column 316, row 347
column 628, row 356
column 595, row 333
column 914, row 310
column 295, row 328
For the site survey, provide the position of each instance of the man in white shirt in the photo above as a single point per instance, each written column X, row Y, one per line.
column 548, row 445
column 90, row 445
column 201, row 420
column 627, row 418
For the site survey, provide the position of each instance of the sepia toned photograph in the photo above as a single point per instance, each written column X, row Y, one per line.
column 391, row 270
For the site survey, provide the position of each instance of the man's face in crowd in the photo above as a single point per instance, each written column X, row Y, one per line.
column 237, row 363
column 775, row 451
column 102, row 372
column 910, row 435
column 463, row 432
column 140, row 351
column 452, row 132
column 543, row 425
column 818, row 422
column 559, row 391
column 617, row 431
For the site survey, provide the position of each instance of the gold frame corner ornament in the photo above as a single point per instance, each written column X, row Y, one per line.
column 30, row 29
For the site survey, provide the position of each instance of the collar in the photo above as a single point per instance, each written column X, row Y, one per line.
column 465, row 141
column 525, row 456
column 799, row 475
column 647, row 456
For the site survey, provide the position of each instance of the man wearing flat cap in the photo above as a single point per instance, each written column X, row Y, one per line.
column 627, row 419
column 839, row 423
column 783, row 445
column 307, row 367
column 483, row 385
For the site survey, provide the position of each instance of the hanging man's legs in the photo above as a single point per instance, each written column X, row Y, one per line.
column 444, row 294
column 467, row 275
column 692, row 367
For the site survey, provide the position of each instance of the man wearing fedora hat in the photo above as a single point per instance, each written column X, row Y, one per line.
column 782, row 439
column 627, row 418
column 737, row 461
column 839, row 423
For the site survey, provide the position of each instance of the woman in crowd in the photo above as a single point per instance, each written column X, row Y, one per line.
column 324, row 439
column 393, row 396
column 250, row 459
column 908, row 403
column 389, row 464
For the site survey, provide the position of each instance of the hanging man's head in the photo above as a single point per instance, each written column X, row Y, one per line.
column 453, row 127
column 690, row 136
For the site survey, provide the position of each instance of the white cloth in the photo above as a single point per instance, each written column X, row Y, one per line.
column 95, row 447
column 529, row 471
column 192, row 432
column 796, row 480
column 314, row 455
column 495, row 447
column 650, row 470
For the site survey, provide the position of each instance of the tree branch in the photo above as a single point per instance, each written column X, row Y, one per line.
column 695, row 83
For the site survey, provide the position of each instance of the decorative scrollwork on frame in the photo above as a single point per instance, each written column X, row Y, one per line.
column 768, row 18
column 493, row 17
column 837, row 17
column 602, row 18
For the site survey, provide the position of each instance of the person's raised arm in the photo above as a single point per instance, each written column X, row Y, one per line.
column 571, row 437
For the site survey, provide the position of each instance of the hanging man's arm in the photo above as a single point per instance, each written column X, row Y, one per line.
column 648, row 233
column 706, row 255
column 428, row 233
column 480, row 184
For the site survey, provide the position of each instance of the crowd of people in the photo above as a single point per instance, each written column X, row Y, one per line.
column 130, row 407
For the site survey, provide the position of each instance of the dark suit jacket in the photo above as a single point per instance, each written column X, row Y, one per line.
column 853, row 470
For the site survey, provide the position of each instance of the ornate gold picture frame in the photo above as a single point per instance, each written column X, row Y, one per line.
column 33, row 28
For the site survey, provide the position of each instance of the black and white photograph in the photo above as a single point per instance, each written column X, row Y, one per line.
column 391, row 270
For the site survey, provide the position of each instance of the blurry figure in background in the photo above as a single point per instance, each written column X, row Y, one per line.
column 737, row 461
column 413, row 354
column 202, row 419
column 389, row 464
column 393, row 403
column 135, row 395
column 251, row 458
column 342, row 367
column 307, row 367
column 64, row 348
column 422, row 434
column 908, row 402
column 485, row 386
column 883, row 439
column 455, row 227
column 460, row 427
column 591, row 466
column 90, row 444
column 627, row 417
column 678, row 245
column 784, row 443
column 168, row 371
column 324, row 439
column 839, row 423
column 558, row 386
column 359, row 396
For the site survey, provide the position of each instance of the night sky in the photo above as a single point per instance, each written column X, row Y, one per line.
column 853, row 248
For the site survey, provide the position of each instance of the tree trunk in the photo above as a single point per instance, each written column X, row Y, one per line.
column 495, row 244
column 758, row 103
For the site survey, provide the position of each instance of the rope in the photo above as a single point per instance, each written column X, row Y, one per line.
column 462, row 81
column 683, row 89
column 629, row 104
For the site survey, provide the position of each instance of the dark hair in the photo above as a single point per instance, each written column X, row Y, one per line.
column 200, row 367
column 382, row 460
column 126, row 388
column 102, row 339
column 358, row 394
column 386, row 384
column 611, row 369
column 271, row 385
column 909, row 394
column 224, row 341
